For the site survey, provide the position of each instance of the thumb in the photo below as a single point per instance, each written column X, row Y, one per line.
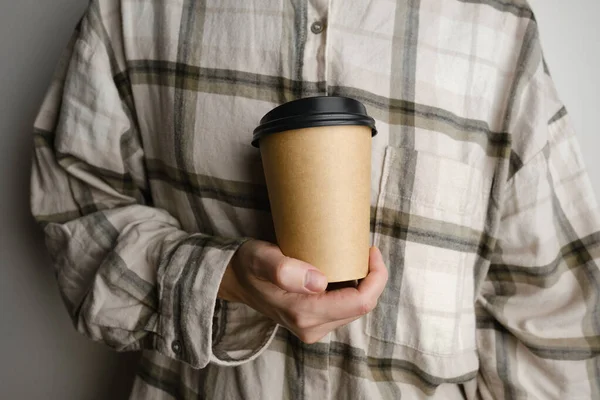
column 290, row 274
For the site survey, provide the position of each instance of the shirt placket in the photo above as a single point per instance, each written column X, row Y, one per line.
column 315, row 48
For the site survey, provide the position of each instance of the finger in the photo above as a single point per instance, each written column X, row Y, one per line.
column 288, row 273
column 352, row 302
column 374, row 283
column 313, row 335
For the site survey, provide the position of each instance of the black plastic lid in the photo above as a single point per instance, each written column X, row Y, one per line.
column 312, row 112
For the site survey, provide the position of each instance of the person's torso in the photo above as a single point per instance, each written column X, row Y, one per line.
column 437, row 77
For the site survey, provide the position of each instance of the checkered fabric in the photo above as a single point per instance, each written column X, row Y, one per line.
column 145, row 183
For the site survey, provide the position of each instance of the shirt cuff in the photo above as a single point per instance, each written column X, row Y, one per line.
column 240, row 334
column 196, row 328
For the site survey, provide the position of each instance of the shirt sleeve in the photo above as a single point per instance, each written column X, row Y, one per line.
column 129, row 275
column 539, row 308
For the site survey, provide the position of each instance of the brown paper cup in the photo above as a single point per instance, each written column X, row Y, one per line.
column 319, row 181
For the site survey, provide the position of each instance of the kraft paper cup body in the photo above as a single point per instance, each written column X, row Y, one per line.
column 319, row 182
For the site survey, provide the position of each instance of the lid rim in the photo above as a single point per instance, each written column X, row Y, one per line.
column 311, row 124
column 305, row 113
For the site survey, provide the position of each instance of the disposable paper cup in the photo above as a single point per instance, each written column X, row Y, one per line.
column 316, row 155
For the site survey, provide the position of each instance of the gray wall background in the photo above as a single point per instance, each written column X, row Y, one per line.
column 42, row 356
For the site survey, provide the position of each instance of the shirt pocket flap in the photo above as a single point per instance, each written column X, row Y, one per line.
column 435, row 187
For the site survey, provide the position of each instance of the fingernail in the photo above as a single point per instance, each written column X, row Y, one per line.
column 315, row 281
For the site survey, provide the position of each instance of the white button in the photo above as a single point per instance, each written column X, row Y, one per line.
column 176, row 346
column 317, row 27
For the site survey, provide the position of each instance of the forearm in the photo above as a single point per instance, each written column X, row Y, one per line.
column 131, row 279
column 130, row 275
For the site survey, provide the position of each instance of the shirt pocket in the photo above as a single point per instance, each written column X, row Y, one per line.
column 429, row 223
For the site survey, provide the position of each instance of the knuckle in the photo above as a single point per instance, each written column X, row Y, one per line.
column 300, row 321
column 367, row 305
column 296, row 319
column 384, row 273
column 277, row 274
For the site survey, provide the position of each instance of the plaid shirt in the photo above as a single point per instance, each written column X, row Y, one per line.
column 145, row 182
